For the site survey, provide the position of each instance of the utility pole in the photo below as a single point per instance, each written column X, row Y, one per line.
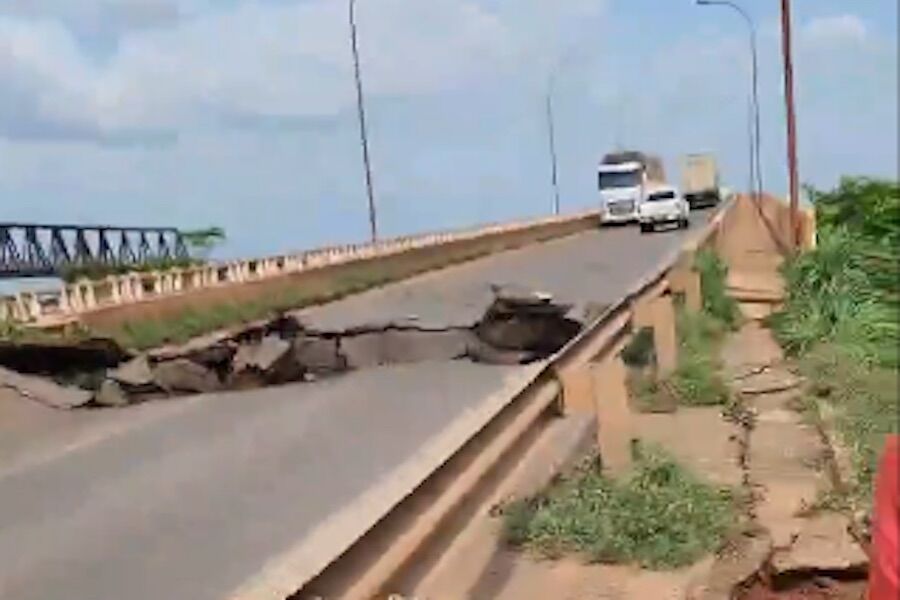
column 551, row 130
column 363, row 135
column 793, row 177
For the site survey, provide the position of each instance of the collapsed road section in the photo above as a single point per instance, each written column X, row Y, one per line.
column 518, row 327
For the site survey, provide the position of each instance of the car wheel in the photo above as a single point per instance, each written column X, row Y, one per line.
column 646, row 228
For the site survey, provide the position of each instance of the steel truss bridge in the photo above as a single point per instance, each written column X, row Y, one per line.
column 29, row 250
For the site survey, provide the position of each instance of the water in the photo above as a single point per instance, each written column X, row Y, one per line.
column 10, row 287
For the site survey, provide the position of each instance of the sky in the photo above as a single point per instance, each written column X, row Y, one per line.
column 241, row 113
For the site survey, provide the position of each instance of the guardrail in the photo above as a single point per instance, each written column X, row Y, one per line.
column 68, row 301
column 585, row 377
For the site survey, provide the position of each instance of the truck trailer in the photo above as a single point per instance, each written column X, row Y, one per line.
column 700, row 180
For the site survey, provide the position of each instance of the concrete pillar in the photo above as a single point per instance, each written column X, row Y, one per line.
column 115, row 295
column 615, row 424
column 659, row 314
column 577, row 389
column 684, row 280
column 90, row 298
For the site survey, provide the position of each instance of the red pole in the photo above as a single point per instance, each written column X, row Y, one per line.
column 791, row 121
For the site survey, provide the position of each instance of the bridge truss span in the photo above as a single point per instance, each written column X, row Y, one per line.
column 32, row 250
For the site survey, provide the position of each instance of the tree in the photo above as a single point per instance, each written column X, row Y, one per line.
column 202, row 241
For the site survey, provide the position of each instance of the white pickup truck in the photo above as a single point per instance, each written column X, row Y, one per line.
column 663, row 205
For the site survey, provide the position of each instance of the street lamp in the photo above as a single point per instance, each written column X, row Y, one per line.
column 755, row 138
column 363, row 136
column 551, row 131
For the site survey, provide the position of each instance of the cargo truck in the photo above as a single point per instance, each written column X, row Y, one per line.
column 700, row 180
column 623, row 179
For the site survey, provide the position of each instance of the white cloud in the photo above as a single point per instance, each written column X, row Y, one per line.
column 254, row 59
column 831, row 30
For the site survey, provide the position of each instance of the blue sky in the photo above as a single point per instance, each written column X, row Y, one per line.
column 240, row 113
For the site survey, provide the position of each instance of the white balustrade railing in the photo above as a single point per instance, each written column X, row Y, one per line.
column 71, row 299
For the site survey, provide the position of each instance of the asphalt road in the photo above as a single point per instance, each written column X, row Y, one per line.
column 246, row 494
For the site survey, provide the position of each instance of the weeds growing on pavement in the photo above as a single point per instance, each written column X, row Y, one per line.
column 696, row 380
column 713, row 288
column 660, row 516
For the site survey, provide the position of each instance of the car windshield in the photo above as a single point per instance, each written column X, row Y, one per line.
column 619, row 180
column 659, row 196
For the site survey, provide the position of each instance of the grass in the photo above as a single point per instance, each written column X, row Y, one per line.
column 865, row 402
column 713, row 287
column 841, row 319
column 696, row 380
column 659, row 517
column 191, row 322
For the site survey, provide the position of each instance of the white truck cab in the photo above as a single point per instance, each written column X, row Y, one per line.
column 622, row 188
column 663, row 205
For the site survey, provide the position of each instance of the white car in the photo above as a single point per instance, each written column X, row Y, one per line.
column 663, row 205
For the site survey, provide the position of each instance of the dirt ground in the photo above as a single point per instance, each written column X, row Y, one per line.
column 817, row 589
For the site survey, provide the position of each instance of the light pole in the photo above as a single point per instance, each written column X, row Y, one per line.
column 791, row 121
column 363, row 136
column 551, row 132
column 755, row 141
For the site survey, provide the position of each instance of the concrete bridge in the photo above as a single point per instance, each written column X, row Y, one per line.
column 263, row 493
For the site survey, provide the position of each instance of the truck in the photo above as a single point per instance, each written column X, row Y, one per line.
column 700, row 180
column 623, row 179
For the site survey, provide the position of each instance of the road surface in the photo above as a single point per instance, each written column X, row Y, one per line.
column 247, row 494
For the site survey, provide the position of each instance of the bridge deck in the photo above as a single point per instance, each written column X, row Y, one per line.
column 200, row 497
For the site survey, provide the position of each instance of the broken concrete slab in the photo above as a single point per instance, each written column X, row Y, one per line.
column 262, row 356
column 111, row 394
column 540, row 327
column 412, row 346
column 217, row 356
column 769, row 381
column 733, row 566
column 135, row 373
column 44, row 391
column 403, row 346
column 182, row 375
column 824, row 543
column 318, row 355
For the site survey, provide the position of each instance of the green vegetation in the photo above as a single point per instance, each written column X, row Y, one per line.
column 203, row 241
column 660, row 516
column 841, row 318
column 713, row 286
column 191, row 322
column 100, row 270
column 696, row 380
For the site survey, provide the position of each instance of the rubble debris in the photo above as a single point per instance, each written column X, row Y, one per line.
column 182, row 375
column 519, row 327
column 526, row 322
column 824, row 544
column 111, row 395
column 135, row 373
column 319, row 355
column 44, row 390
